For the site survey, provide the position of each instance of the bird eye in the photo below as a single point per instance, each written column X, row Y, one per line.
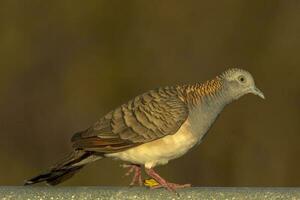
column 242, row 79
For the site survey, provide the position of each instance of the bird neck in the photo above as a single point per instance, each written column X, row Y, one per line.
column 219, row 98
column 213, row 93
column 205, row 102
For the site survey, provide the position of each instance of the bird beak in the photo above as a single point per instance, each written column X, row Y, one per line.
column 257, row 92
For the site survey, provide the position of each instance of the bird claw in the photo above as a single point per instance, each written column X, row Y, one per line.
column 157, row 181
column 137, row 177
column 171, row 186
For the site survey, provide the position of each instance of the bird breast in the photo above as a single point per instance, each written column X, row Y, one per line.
column 159, row 152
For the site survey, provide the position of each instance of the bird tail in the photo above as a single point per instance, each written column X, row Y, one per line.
column 65, row 169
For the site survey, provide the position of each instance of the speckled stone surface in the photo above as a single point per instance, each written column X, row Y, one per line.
column 120, row 193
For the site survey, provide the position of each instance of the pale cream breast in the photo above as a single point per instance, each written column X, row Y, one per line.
column 159, row 152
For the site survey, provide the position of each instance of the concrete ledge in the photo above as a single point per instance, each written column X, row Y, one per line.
column 120, row 193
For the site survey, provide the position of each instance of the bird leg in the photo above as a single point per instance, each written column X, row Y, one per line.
column 137, row 177
column 163, row 183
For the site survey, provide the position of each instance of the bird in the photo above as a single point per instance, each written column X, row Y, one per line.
column 153, row 128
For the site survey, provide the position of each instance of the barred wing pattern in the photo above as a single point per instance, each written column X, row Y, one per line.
column 147, row 117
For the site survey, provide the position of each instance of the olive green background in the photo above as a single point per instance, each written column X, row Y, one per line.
column 64, row 64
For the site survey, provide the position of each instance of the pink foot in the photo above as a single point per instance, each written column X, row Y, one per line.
column 163, row 183
column 137, row 177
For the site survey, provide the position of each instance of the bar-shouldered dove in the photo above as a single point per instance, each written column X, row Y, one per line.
column 153, row 128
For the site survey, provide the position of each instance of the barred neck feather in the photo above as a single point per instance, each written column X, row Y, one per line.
column 196, row 93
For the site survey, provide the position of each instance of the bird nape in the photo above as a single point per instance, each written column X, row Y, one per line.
column 153, row 128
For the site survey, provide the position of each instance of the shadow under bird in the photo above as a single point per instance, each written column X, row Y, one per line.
column 153, row 128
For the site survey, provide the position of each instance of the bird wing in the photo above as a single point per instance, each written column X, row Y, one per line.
column 147, row 117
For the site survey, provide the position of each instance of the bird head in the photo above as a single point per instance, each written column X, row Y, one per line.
column 239, row 82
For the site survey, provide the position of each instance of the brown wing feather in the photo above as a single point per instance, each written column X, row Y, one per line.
column 147, row 117
column 102, row 145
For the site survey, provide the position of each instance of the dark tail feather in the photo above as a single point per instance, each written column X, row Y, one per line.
column 65, row 169
column 54, row 177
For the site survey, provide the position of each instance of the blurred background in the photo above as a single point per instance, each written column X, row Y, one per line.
column 64, row 64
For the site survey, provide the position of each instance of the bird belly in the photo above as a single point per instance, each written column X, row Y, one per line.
column 159, row 152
